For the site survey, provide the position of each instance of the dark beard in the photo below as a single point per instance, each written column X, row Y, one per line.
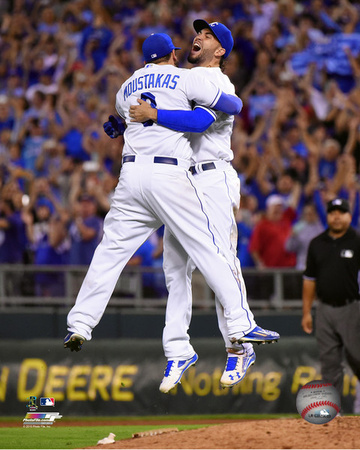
column 193, row 59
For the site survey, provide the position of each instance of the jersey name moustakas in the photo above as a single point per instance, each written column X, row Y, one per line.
column 151, row 80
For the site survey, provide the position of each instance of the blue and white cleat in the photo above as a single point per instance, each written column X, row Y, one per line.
column 236, row 368
column 258, row 336
column 74, row 341
column 174, row 371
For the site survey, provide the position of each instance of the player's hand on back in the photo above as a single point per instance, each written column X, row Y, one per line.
column 114, row 127
column 142, row 112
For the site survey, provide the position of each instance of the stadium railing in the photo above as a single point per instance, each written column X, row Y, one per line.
column 266, row 289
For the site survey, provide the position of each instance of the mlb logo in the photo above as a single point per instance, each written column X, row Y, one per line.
column 347, row 253
column 47, row 401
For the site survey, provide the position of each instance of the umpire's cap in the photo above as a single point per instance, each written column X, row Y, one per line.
column 156, row 46
column 221, row 32
column 338, row 203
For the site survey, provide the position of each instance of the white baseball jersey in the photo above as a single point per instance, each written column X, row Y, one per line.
column 153, row 191
column 221, row 190
column 214, row 143
column 167, row 87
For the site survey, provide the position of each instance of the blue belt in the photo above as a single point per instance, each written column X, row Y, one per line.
column 205, row 166
column 157, row 159
column 129, row 158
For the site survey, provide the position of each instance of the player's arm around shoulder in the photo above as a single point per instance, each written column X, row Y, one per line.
column 195, row 121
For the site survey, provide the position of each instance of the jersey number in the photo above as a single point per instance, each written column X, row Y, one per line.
column 150, row 98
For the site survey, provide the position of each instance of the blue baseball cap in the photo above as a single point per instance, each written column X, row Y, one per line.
column 156, row 46
column 221, row 32
column 43, row 201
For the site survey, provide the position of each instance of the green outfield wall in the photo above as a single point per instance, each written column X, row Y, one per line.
column 122, row 377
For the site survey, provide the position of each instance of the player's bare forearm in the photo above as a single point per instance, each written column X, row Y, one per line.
column 142, row 112
column 308, row 296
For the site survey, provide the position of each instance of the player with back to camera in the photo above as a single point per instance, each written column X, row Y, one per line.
column 220, row 185
column 155, row 170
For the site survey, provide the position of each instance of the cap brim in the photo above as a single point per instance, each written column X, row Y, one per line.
column 337, row 208
column 200, row 24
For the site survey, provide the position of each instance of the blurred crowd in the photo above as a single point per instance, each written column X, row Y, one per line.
column 295, row 64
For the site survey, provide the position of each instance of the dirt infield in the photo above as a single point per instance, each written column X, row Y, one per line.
column 341, row 432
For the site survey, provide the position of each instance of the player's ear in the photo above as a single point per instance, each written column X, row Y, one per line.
column 174, row 57
column 220, row 52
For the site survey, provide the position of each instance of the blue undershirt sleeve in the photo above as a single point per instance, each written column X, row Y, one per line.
column 195, row 121
column 229, row 104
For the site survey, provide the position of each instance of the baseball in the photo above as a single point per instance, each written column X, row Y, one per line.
column 318, row 402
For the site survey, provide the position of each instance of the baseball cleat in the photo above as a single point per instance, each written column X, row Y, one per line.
column 236, row 368
column 259, row 336
column 74, row 341
column 174, row 371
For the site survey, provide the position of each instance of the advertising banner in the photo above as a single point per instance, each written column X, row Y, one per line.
column 122, row 377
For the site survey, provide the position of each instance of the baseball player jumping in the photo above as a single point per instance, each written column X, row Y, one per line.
column 156, row 187
column 221, row 187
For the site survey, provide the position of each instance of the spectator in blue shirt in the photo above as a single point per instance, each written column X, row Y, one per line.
column 245, row 221
column 7, row 121
column 143, row 258
column 328, row 158
column 12, row 234
column 48, row 23
column 50, row 246
column 74, row 124
column 85, row 231
column 96, row 42
column 33, row 143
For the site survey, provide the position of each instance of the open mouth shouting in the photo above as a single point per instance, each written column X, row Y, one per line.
column 196, row 47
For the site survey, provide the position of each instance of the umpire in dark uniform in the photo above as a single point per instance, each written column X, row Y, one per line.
column 331, row 274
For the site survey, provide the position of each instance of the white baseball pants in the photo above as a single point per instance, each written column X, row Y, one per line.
column 221, row 190
column 148, row 195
